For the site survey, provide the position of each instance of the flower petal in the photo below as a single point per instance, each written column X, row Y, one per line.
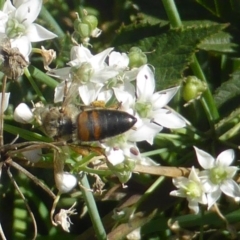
column 61, row 73
column 115, row 156
column 28, row 11
column 124, row 97
column 79, row 54
column 193, row 205
column 177, row 193
column 230, row 188
column 213, row 197
column 3, row 21
column 6, row 101
column 205, row 160
column 37, row 33
column 162, row 98
column 146, row 132
column 59, row 92
column 145, row 83
column 118, row 60
column 168, row 118
column 193, row 175
column 24, row 46
column 98, row 61
column 231, row 171
column 8, row 7
column 89, row 92
column 105, row 95
column 226, row 158
column 179, row 182
column 101, row 76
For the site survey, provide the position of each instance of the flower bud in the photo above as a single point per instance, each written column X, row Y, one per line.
column 91, row 20
column 23, row 114
column 65, row 182
column 193, row 88
column 84, row 30
column 76, row 24
column 136, row 57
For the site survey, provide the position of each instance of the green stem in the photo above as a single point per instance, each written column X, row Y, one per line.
column 172, row 13
column 208, row 102
column 209, row 106
column 92, row 209
column 34, row 85
column 147, row 193
column 95, row 171
column 230, row 133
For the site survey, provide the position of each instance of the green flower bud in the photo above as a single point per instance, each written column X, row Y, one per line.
column 193, row 88
column 84, row 30
column 91, row 20
column 136, row 57
column 76, row 23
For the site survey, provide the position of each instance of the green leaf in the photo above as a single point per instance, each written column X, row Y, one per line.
column 42, row 77
column 219, row 42
column 170, row 52
column 228, row 90
column 25, row 134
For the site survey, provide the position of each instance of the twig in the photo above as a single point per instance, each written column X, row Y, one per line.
column 32, row 177
column 25, row 202
column 1, row 110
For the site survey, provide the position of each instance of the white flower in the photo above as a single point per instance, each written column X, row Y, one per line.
column 88, row 73
column 23, row 114
column 118, row 60
column 218, row 174
column 6, row 101
column 150, row 107
column 17, row 23
column 190, row 188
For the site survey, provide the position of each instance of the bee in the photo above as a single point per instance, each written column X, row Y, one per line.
column 70, row 123
column 84, row 126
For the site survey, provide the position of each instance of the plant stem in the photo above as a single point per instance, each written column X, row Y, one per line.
column 208, row 102
column 34, row 85
column 92, row 209
column 2, row 110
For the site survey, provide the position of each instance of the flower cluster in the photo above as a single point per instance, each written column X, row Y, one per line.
column 17, row 24
column 206, row 186
column 106, row 77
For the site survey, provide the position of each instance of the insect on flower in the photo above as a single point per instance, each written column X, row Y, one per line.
column 70, row 123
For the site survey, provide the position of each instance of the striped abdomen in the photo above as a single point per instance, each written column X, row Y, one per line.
column 99, row 124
